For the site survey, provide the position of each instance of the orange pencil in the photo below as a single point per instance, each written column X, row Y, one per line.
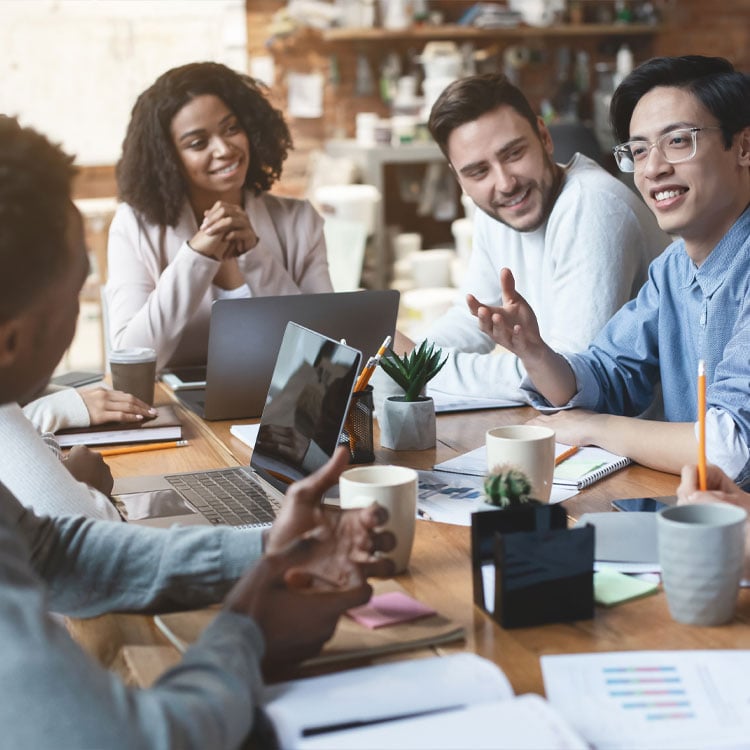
column 141, row 448
column 702, row 424
column 566, row 454
column 372, row 363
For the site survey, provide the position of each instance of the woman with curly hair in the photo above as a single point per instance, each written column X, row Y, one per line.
column 203, row 147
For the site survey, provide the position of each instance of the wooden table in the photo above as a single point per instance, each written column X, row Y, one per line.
column 439, row 572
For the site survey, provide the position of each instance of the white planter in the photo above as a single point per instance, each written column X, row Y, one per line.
column 407, row 425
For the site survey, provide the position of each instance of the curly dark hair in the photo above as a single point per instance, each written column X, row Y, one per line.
column 149, row 175
column 35, row 208
column 467, row 99
column 722, row 90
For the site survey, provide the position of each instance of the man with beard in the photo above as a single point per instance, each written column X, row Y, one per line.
column 578, row 240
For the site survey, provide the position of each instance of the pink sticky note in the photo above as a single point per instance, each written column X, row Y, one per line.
column 389, row 609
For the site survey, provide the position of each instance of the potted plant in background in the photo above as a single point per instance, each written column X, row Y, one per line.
column 408, row 422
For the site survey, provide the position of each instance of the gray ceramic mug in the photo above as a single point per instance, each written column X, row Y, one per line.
column 701, row 552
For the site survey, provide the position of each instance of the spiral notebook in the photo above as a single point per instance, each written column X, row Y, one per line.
column 588, row 465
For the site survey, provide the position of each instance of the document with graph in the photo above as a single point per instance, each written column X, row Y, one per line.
column 636, row 700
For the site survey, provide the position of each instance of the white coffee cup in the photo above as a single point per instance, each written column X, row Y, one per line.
column 701, row 552
column 530, row 449
column 393, row 487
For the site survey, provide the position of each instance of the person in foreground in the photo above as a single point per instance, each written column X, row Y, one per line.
column 719, row 489
column 202, row 149
column 306, row 570
column 578, row 240
column 685, row 127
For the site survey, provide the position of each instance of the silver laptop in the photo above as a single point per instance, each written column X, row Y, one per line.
column 305, row 408
column 245, row 334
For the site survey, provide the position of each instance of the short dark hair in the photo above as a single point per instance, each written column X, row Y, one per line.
column 722, row 90
column 35, row 208
column 467, row 99
column 149, row 176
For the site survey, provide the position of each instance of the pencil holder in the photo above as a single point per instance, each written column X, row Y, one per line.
column 529, row 569
column 357, row 432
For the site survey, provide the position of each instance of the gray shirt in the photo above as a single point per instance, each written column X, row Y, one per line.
column 53, row 694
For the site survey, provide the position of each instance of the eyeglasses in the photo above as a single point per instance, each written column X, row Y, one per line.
column 675, row 146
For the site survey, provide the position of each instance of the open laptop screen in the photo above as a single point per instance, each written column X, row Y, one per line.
column 306, row 406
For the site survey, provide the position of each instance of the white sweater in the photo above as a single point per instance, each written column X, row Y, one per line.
column 59, row 408
column 576, row 271
column 159, row 291
column 32, row 472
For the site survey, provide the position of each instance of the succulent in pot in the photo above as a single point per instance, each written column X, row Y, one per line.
column 408, row 422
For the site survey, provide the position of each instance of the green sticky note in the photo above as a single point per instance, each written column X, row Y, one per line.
column 572, row 469
column 612, row 587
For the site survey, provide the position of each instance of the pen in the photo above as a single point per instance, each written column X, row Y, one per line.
column 424, row 514
column 566, row 454
column 141, row 448
column 702, row 424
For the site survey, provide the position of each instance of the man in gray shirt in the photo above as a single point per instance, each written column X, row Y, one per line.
column 313, row 569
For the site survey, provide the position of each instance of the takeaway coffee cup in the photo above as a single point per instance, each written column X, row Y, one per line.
column 530, row 449
column 134, row 371
column 701, row 550
column 393, row 487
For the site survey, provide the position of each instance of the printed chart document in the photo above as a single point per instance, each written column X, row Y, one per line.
column 452, row 498
column 441, row 702
column 653, row 699
column 582, row 469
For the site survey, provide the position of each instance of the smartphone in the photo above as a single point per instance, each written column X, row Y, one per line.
column 643, row 504
column 182, row 378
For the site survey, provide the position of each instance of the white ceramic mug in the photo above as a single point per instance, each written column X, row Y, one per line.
column 530, row 449
column 701, row 551
column 393, row 487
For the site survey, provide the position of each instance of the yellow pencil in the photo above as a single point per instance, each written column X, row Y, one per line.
column 141, row 448
column 372, row 363
column 702, row 424
column 566, row 454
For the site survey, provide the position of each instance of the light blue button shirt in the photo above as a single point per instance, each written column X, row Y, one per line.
column 683, row 313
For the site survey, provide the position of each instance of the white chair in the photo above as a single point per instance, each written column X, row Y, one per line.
column 345, row 243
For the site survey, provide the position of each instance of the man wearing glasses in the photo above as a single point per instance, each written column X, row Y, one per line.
column 685, row 127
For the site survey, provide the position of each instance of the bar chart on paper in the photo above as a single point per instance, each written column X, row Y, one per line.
column 646, row 699
column 648, row 692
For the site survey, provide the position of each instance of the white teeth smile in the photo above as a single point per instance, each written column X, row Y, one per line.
column 516, row 201
column 665, row 194
column 228, row 169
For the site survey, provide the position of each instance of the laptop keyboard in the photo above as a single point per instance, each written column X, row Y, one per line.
column 232, row 496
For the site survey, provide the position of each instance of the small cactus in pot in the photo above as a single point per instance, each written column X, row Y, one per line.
column 506, row 486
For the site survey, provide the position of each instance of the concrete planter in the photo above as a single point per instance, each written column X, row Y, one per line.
column 407, row 425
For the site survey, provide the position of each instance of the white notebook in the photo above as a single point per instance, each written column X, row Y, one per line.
column 438, row 703
column 582, row 469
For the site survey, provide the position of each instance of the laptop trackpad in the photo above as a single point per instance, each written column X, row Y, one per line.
column 154, row 504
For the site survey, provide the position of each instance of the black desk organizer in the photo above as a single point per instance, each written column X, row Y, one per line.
column 544, row 572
